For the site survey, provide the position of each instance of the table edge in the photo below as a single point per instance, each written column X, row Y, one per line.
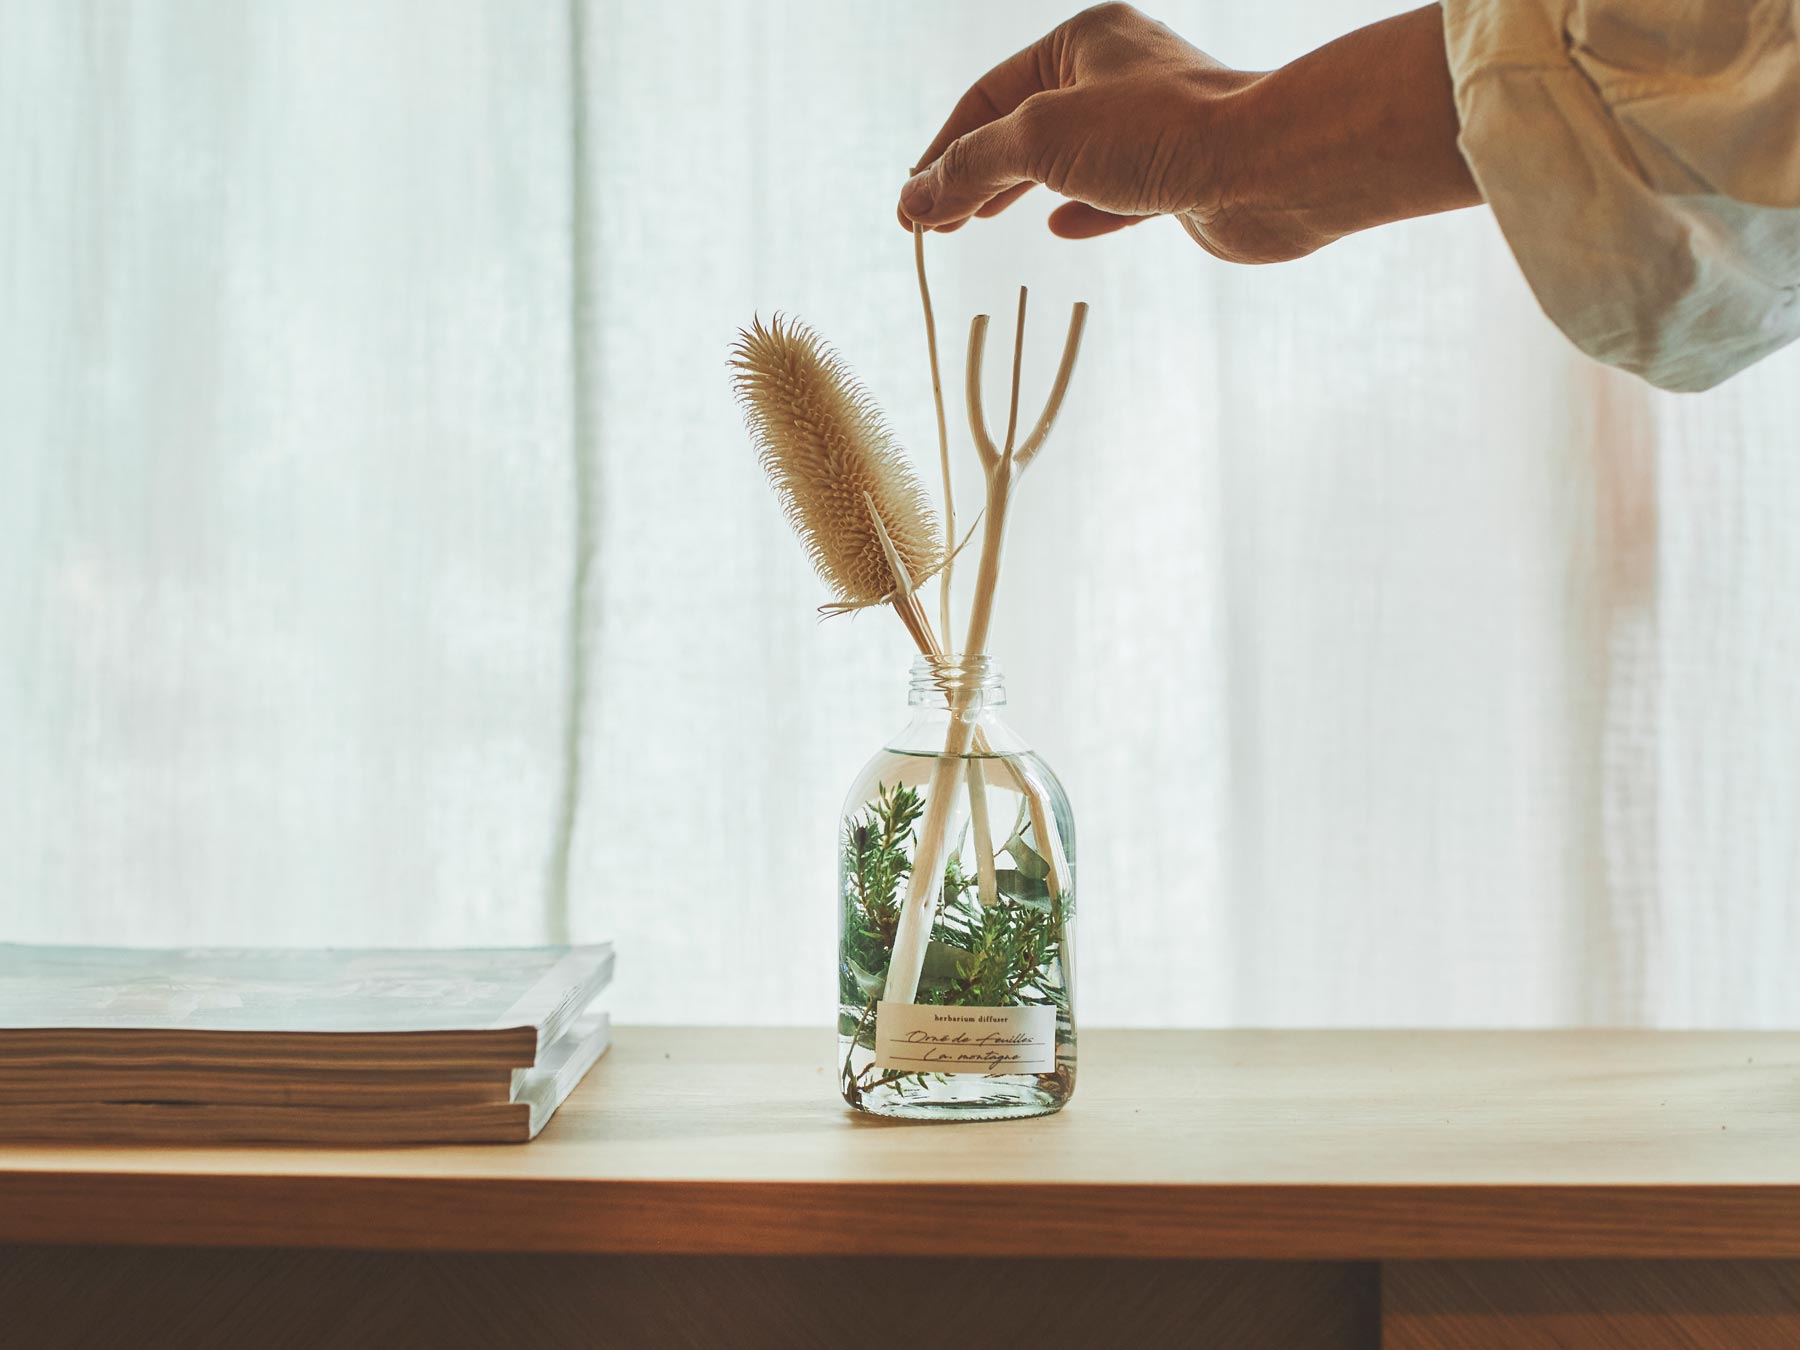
column 781, row 1218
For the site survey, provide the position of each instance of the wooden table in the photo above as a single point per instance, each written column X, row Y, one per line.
column 1244, row 1188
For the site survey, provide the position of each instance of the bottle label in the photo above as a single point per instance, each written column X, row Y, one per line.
column 915, row 1038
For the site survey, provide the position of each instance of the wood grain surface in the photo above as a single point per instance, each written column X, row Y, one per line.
column 278, row 1299
column 1348, row 1146
column 1596, row 1305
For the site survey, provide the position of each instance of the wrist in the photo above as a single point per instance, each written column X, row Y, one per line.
column 1266, row 198
column 1359, row 133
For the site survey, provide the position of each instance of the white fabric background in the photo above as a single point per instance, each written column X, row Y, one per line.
column 382, row 558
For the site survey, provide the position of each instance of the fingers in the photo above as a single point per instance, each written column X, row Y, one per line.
column 1071, row 220
column 1078, row 220
column 974, row 169
column 995, row 205
column 906, row 223
column 994, row 96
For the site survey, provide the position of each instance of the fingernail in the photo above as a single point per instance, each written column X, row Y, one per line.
column 916, row 196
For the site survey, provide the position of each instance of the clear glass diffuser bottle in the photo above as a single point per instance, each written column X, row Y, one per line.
column 988, row 1031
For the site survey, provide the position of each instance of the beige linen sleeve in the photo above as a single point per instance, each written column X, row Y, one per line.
column 1643, row 160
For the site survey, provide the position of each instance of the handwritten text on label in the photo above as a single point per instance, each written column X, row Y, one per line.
column 918, row 1039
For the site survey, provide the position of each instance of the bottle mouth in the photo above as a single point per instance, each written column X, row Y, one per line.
column 955, row 680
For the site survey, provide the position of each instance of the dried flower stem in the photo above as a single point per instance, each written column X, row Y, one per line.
column 1000, row 468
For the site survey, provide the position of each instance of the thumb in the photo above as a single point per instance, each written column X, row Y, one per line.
column 974, row 169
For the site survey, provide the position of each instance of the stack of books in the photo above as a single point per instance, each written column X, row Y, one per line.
column 217, row 1046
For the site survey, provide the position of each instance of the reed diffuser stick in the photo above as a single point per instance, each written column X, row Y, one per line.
column 937, row 401
column 912, row 614
column 1000, row 469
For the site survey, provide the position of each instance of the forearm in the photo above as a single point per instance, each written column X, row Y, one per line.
column 1359, row 133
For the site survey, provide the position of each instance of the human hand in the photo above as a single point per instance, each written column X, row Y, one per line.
column 1111, row 109
column 1120, row 115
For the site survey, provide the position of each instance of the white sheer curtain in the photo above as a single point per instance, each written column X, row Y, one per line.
column 382, row 559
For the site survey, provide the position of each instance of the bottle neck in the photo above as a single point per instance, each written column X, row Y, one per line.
column 966, row 688
column 965, row 684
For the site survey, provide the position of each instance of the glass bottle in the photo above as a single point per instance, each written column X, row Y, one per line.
column 991, row 1031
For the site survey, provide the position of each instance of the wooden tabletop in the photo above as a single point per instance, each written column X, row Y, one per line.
column 1249, row 1144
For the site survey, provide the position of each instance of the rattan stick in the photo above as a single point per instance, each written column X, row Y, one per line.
column 937, row 400
column 912, row 614
column 928, row 859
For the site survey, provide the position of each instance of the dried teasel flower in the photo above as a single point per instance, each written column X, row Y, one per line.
column 834, row 464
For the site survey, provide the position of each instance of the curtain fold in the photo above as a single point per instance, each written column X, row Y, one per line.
column 382, row 558
column 285, row 402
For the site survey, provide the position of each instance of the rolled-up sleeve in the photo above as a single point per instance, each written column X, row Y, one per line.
column 1643, row 160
